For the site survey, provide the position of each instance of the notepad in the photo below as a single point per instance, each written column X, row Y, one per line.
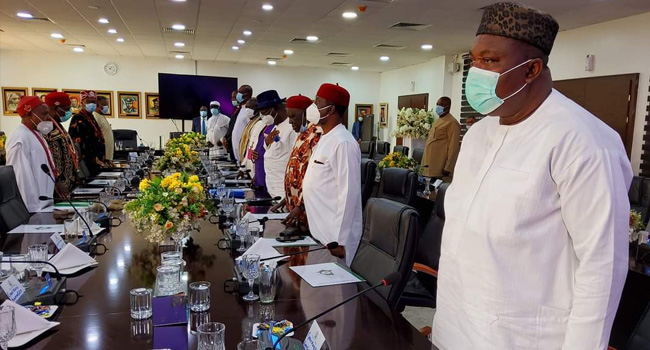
column 87, row 190
column 37, row 229
column 326, row 274
column 271, row 216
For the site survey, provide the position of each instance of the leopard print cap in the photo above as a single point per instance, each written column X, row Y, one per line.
column 520, row 22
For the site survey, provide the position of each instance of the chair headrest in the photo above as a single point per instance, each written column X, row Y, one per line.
column 395, row 181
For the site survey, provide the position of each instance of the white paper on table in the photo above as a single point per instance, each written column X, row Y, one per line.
column 264, row 248
column 26, row 321
column 102, row 182
column 326, row 274
column 252, row 222
column 240, row 200
column 64, row 206
column 37, row 229
column 307, row 241
column 233, row 181
column 70, row 257
column 110, row 174
column 271, row 216
column 87, row 190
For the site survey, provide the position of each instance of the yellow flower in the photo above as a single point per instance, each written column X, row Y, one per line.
column 193, row 178
column 168, row 225
column 157, row 207
column 176, row 175
column 144, row 184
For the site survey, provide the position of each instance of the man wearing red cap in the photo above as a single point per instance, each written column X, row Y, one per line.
column 87, row 134
column 27, row 151
column 60, row 142
column 308, row 137
column 332, row 184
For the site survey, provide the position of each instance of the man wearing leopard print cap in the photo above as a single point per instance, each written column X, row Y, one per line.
column 534, row 250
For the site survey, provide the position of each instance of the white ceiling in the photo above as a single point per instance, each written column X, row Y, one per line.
column 220, row 23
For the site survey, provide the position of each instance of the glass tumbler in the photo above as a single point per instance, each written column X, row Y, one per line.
column 38, row 252
column 268, row 284
column 168, row 279
column 199, row 296
column 141, row 307
column 212, row 336
column 7, row 325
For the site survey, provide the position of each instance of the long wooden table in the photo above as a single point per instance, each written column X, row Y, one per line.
column 101, row 318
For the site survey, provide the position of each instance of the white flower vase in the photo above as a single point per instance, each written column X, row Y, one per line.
column 414, row 143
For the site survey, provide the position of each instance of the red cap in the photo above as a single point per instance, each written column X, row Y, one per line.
column 28, row 104
column 57, row 98
column 299, row 102
column 335, row 94
column 84, row 94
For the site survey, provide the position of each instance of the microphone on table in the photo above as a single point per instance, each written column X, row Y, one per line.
column 56, row 271
column 387, row 281
column 329, row 246
column 46, row 170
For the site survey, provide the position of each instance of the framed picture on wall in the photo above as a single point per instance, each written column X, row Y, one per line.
column 41, row 92
column 10, row 98
column 362, row 110
column 129, row 104
column 75, row 100
column 383, row 115
column 109, row 97
column 152, row 101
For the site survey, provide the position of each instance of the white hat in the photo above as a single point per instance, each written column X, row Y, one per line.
column 215, row 103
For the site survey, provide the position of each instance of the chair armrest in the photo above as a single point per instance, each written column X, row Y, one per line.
column 425, row 269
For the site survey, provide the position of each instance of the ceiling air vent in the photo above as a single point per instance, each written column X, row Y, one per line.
column 40, row 19
column 341, row 64
column 174, row 52
column 409, row 26
column 338, row 54
column 76, row 45
column 389, row 47
column 299, row 40
column 274, row 59
column 186, row 31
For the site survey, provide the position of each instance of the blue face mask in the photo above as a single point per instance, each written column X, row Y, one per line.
column 240, row 97
column 481, row 89
column 66, row 116
column 440, row 110
column 105, row 110
column 90, row 107
column 204, row 113
column 214, row 111
column 235, row 103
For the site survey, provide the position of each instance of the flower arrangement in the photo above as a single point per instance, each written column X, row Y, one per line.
column 399, row 160
column 167, row 207
column 3, row 152
column 193, row 139
column 636, row 225
column 178, row 157
column 413, row 123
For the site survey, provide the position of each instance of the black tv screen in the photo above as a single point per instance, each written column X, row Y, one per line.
column 181, row 96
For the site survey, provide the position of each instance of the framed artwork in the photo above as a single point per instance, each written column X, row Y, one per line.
column 129, row 104
column 10, row 98
column 41, row 92
column 152, row 101
column 109, row 97
column 75, row 100
column 362, row 110
column 383, row 115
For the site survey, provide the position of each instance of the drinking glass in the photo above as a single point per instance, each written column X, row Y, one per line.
column 427, row 191
column 169, row 256
column 168, row 279
column 212, row 336
column 251, row 271
column 38, row 252
column 228, row 205
column 121, row 184
column 197, row 319
column 254, row 232
column 241, row 228
column 268, row 284
column 18, row 268
column 200, row 296
column 248, row 345
column 7, row 325
column 141, row 307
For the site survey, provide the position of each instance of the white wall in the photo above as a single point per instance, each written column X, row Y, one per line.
column 72, row 71
column 621, row 46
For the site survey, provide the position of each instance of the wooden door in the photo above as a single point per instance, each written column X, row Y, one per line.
column 610, row 98
column 411, row 101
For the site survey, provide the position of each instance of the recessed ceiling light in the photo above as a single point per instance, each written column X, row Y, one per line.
column 349, row 15
column 355, row 68
column 312, row 38
column 178, row 27
column 273, row 63
column 248, row 32
column 179, row 44
column 103, row 21
column 57, row 35
column 426, row 47
column 235, row 48
column 24, row 15
column 120, row 40
column 384, row 58
column 267, row 7
column 241, row 42
column 180, row 57
column 78, row 49
column 288, row 52
column 112, row 31
column 93, row 7
column 178, row 0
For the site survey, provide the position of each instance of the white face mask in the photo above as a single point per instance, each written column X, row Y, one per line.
column 268, row 119
column 44, row 126
column 313, row 115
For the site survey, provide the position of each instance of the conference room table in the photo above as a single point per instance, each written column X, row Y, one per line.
column 101, row 318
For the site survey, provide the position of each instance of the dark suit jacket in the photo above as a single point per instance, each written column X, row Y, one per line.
column 196, row 124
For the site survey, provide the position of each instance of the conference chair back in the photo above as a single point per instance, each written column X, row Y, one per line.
column 401, row 149
column 399, row 185
column 367, row 149
column 13, row 211
column 368, row 169
column 383, row 149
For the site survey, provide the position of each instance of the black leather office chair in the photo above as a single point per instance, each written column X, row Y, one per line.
column 399, row 185
column 639, row 196
column 13, row 211
column 368, row 169
column 367, row 149
column 640, row 338
column 402, row 149
column 383, row 149
column 421, row 288
column 129, row 138
column 417, row 154
column 388, row 244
